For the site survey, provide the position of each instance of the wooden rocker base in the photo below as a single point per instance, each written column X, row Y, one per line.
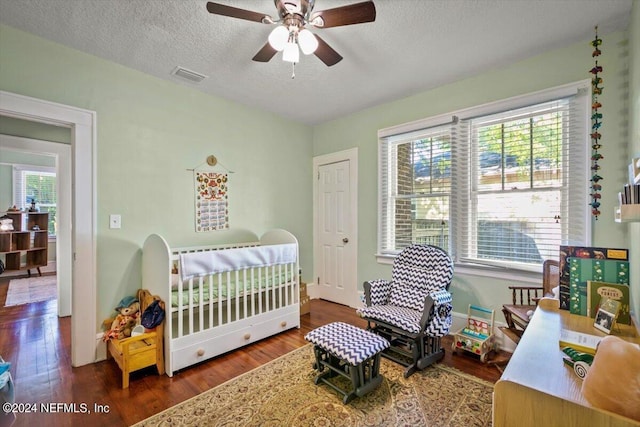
column 364, row 377
column 414, row 352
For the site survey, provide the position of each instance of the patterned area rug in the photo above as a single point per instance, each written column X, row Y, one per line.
column 282, row 393
column 32, row 289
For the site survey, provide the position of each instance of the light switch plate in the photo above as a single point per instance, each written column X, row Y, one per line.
column 115, row 221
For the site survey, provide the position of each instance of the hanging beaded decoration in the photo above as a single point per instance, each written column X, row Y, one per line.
column 596, row 123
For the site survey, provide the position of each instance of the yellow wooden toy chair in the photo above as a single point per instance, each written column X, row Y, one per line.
column 137, row 352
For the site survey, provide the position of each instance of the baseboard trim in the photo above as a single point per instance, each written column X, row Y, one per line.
column 101, row 348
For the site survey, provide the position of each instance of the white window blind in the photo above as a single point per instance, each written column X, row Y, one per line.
column 525, row 193
column 415, row 177
column 507, row 183
column 33, row 183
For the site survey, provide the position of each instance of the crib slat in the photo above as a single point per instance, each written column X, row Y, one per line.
column 219, row 299
column 246, row 292
column 237, row 296
column 210, row 280
column 273, row 289
column 190, row 305
column 228, row 298
column 260, row 307
column 200, row 303
column 287, row 284
column 253, row 300
column 180, row 303
column 296, row 283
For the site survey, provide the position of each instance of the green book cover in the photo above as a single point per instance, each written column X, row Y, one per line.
column 567, row 252
column 582, row 270
column 598, row 290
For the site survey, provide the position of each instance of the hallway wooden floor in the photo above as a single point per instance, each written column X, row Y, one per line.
column 37, row 343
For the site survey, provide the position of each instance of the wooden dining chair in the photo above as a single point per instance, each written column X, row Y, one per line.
column 524, row 300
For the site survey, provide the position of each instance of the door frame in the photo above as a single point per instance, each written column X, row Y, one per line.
column 350, row 155
column 82, row 124
column 62, row 154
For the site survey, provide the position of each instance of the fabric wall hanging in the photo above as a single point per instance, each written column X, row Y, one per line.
column 596, row 124
column 212, row 212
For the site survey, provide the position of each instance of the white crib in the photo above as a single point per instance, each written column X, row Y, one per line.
column 219, row 298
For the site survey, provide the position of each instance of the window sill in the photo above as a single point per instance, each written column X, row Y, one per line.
column 503, row 273
column 385, row 258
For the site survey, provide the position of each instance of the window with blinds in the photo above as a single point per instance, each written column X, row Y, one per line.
column 417, row 183
column 505, row 184
column 36, row 184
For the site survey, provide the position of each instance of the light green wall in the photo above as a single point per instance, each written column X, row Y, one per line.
column 550, row 69
column 634, row 147
column 149, row 132
column 27, row 129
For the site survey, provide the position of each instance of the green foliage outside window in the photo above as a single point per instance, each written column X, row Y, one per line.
column 41, row 188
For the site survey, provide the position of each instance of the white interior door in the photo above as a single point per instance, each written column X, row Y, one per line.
column 336, row 272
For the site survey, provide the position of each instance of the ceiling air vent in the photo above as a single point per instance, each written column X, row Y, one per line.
column 188, row 75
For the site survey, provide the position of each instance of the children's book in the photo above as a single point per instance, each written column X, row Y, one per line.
column 582, row 270
column 596, row 291
column 582, row 252
column 585, row 343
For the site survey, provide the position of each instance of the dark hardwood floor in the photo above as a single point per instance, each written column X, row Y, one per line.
column 37, row 343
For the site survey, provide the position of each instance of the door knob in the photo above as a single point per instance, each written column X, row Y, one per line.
column 345, row 240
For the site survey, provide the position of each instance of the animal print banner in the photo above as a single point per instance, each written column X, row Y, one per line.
column 212, row 212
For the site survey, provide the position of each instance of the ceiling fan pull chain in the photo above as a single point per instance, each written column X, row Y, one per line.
column 293, row 70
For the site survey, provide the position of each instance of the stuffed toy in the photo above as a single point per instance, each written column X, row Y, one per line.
column 127, row 318
column 613, row 380
column 6, row 223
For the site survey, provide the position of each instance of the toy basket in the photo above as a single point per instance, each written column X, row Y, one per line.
column 477, row 337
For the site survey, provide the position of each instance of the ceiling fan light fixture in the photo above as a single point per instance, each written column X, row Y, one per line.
column 279, row 37
column 307, row 41
column 317, row 22
column 291, row 53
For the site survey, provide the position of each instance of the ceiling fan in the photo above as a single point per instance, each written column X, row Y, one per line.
column 290, row 33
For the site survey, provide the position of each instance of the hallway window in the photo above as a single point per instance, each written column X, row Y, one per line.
column 36, row 184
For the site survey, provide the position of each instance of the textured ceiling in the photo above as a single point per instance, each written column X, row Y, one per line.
column 413, row 45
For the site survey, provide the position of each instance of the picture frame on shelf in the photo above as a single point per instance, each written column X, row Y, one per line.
column 634, row 171
column 606, row 315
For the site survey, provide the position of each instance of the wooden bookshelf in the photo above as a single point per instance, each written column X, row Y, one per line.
column 537, row 388
column 627, row 213
column 26, row 246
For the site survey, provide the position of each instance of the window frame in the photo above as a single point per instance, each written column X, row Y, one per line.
column 501, row 269
column 19, row 189
column 401, row 144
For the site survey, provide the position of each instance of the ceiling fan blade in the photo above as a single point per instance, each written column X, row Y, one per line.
column 234, row 12
column 326, row 53
column 265, row 54
column 357, row 13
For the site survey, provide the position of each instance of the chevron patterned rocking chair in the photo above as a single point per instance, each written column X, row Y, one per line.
column 413, row 310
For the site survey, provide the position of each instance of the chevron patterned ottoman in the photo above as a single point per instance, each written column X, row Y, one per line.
column 350, row 352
